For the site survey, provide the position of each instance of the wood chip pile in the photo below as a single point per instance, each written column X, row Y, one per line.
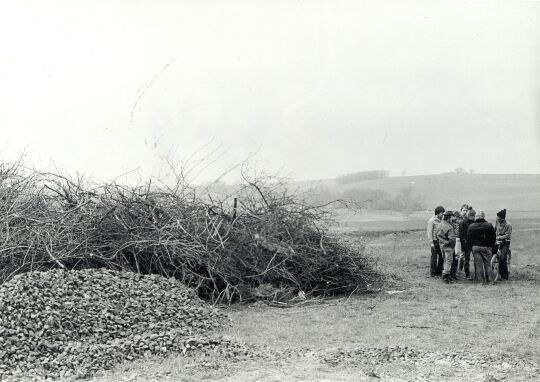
column 73, row 323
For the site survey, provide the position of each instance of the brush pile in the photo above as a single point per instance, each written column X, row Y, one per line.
column 259, row 242
column 73, row 323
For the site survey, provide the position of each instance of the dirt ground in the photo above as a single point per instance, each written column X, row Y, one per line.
column 416, row 329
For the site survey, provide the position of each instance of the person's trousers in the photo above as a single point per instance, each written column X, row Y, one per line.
column 503, row 258
column 436, row 264
column 466, row 259
column 466, row 262
column 482, row 263
column 448, row 253
column 453, row 270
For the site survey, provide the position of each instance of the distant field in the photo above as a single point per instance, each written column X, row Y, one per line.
column 391, row 221
column 489, row 192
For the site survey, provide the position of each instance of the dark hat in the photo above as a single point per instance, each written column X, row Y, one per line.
column 502, row 214
column 448, row 213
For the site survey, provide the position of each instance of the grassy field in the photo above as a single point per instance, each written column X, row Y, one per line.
column 459, row 332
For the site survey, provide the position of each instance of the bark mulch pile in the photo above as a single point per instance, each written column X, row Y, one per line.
column 74, row 323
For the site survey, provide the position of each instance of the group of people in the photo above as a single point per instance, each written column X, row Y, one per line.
column 454, row 235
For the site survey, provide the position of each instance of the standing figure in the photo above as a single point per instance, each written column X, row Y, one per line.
column 456, row 221
column 436, row 263
column 447, row 240
column 481, row 237
column 468, row 218
column 503, row 232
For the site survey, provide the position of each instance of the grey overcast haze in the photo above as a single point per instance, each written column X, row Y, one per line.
column 313, row 89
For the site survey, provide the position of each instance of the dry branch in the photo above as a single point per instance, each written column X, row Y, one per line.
column 271, row 237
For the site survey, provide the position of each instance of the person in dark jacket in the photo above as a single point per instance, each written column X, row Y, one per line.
column 503, row 233
column 468, row 218
column 481, row 237
column 447, row 240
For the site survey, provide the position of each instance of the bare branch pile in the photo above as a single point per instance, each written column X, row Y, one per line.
column 260, row 242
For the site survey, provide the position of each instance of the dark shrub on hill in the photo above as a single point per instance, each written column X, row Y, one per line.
column 405, row 199
column 361, row 176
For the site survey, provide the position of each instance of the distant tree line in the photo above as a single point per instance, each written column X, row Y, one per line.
column 361, row 176
column 461, row 170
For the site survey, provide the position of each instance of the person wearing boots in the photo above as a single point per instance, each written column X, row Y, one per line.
column 481, row 237
column 468, row 218
column 456, row 221
column 436, row 263
column 503, row 232
column 447, row 240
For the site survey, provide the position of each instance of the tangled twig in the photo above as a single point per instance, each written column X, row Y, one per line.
column 228, row 247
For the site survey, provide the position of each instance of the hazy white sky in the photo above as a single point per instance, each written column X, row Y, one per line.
column 316, row 88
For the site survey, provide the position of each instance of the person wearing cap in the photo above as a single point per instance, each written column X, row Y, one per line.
column 436, row 263
column 447, row 240
column 468, row 218
column 481, row 238
column 503, row 233
column 457, row 250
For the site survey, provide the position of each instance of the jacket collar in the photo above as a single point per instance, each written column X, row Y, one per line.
column 480, row 221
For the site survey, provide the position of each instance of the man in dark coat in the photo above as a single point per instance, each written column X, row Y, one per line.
column 468, row 218
column 481, row 237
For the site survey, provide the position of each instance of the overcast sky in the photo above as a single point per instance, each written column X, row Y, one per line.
column 315, row 88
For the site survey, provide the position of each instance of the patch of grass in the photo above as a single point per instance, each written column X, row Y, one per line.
column 421, row 312
column 464, row 314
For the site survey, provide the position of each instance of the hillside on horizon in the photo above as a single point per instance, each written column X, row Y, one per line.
column 491, row 192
